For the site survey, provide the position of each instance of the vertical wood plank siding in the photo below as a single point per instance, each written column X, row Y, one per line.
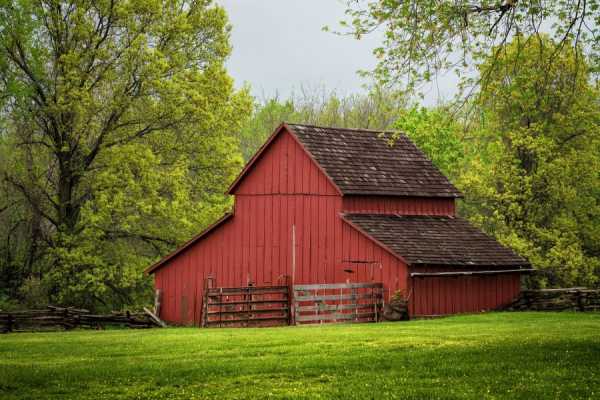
column 460, row 294
column 285, row 188
column 399, row 205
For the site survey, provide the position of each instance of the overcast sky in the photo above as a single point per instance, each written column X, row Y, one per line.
column 279, row 45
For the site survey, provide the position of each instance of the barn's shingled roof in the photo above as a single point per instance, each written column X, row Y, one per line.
column 361, row 161
column 435, row 240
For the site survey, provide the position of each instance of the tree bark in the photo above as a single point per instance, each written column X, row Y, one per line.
column 68, row 210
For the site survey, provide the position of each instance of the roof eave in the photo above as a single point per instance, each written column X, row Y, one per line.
column 255, row 158
column 187, row 244
column 524, row 264
column 516, row 261
column 283, row 126
column 373, row 239
column 457, row 195
column 469, row 273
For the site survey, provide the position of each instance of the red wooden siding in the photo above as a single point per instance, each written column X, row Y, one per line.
column 285, row 168
column 256, row 246
column 399, row 205
column 461, row 294
column 285, row 189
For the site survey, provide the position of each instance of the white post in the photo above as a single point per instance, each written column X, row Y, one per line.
column 293, row 302
column 293, row 254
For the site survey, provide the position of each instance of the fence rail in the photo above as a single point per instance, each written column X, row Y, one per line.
column 338, row 302
column 245, row 306
column 53, row 318
column 575, row 299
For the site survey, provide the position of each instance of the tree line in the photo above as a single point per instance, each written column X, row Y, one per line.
column 524, row 149
column 120, row 130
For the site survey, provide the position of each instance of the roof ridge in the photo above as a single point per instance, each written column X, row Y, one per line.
column 363, row 161
column 346, row 129
column 347, row 157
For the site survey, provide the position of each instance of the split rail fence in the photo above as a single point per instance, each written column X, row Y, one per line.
column 568, row 299
column 53, row 318
column 338, row 302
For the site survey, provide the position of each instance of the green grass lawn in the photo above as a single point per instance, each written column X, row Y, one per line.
column 496, row 355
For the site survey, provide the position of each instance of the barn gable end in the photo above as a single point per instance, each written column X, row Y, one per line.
column 283, row 166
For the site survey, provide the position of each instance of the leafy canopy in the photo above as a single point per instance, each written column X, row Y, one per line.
column 117, row 140
column 532, row 177
column 377, row 109
column 423, row 38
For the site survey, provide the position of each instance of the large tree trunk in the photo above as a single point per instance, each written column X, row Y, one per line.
column 68, row 209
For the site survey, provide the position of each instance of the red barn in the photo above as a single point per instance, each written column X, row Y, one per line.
column 358, row 209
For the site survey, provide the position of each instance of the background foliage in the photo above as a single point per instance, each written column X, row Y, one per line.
column 377, row 109
column 534, row 179
column 120, row 130
column 116, row 144
column 525, row 150
column 424, row 38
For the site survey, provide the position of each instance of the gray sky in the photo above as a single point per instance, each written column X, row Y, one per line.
column 278, row 46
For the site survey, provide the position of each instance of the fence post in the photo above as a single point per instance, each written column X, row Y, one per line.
column 355, row 300
column 157, row 300
column 290, row 299
column 220, row 307
column 247, row 296
column 65, row 318
column 580, row 306
column 373, row 299
column 204, row 308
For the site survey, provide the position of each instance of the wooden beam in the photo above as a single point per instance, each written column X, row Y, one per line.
column 155, row 318
column 323, row 286
column 467, row 273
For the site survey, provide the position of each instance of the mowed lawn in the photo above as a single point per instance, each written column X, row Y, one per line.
column 496, row 355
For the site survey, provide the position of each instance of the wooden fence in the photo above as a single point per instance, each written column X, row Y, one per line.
column 53, row 318
column 246, row 306
column 569, row 299
column 338, row 302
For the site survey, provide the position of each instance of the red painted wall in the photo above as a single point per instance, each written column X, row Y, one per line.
column 284, row 189
column 460, row 294
column 285, row 168
column 399, row 205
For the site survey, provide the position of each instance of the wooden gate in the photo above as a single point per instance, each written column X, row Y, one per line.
column 338, row 302
column 246, row 306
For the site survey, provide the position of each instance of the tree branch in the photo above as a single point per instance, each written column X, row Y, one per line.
column 29, row 198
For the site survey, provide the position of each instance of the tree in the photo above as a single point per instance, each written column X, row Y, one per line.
column 265, row 118
column 378, row 109
column 425, row 37
column 531, row 177
column 437, row 134
column 118, row 119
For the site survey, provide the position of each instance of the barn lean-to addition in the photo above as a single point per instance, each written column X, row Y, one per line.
column 357, row 208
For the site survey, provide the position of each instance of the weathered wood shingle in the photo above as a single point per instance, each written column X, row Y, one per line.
column 427, row 240
column 364, row 162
